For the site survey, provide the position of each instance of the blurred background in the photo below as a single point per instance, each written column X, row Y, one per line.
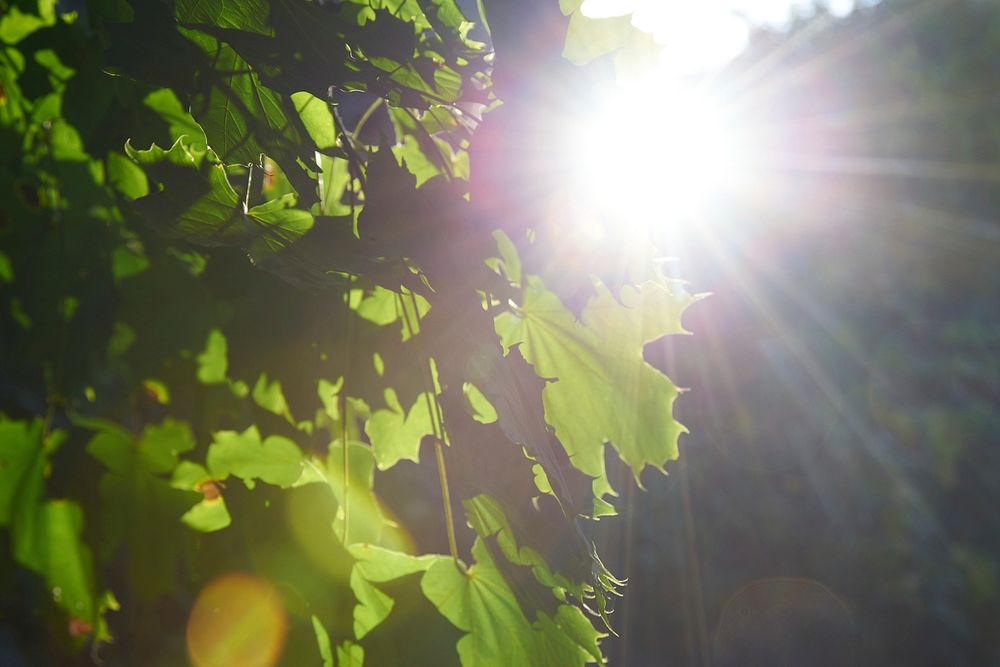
column 836, row 500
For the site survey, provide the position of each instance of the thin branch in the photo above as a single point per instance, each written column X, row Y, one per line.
column 437, row 426
column 369, row 112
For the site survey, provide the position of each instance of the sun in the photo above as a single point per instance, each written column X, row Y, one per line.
column 654, row 154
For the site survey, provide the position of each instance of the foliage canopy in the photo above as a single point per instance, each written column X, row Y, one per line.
column 212, row 283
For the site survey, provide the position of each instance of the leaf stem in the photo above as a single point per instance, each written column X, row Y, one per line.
column 343, row 412
column 482, row 16
column 446, row 499
column 346, row 461
column 437, row 426
column 365, row 116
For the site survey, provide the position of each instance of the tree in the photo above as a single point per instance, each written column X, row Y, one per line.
column 241, row 333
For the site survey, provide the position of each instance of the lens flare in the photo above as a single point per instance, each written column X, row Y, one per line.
column 785, row 621
column 312, row 517
column 237, row 621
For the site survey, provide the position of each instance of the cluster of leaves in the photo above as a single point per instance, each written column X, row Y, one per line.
column 211, row 280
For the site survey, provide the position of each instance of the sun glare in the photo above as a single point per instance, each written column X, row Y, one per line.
column 655, row 154
column 658, row 148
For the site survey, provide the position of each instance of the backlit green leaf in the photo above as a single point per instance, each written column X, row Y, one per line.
column 350, row 654
column 211, row 513
column 317, row 118
column 396, row 433
column 160, row 445
column 378, row 565
column 46, row 534
column 15, row 24
column 126, row 176
column 19, row 456
column 603, row 390
column 273, row 460
column 589, row 38
column 479, row 601
column 65, row 560
column 323, row 642
column 213, row 362
column 268, row 395
column 165, row 103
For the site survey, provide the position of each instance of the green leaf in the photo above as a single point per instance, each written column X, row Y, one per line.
column 25, row 486
column 136, row 500
column 571, row 622
column 161, row 443
column 569, row 6
column 12, row 110
column 203, row 210
column 275, row 460
column 373, row 605
column 479, row 406
column 242, row 117
column 487, row 518
column 107, row 602
column 277, row 225
column 446, row 14
column 395, row 433
column 6, row 269
column 180, row 123
column 64, row 560
column 157, row 390
column 378, row 565
column 334, row 178
column 378, row 305
column 480, row 602
column 317, row 118
column 382, row 307
column 21, row 459
column 587, row 38
column 268, row 395
column 510, row 261
column 322, row 642
column 156, row 450
column 211, row 514
column 250, row 15
column 180, row 154
column 415, row 147
column 127, row 177
column 127, row 262
column 213, row 363
column 368, row 523
column 112, row 446
column 208, row 516
column 199, row 205
column 46, row 534
column 136, row 504
column 604, row 391
column 15, row 25
column 350, row 654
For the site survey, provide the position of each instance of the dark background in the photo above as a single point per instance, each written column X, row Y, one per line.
column 835, row 501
